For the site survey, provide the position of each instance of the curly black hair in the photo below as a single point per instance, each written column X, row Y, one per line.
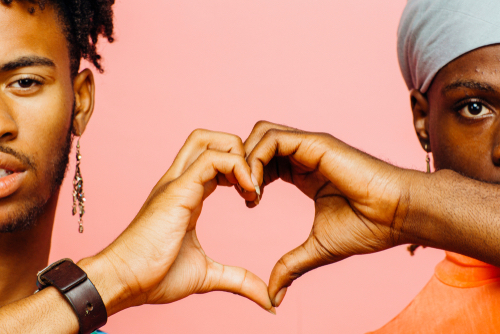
column 83, row 22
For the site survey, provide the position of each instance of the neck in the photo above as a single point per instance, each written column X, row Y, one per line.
column 23, row 254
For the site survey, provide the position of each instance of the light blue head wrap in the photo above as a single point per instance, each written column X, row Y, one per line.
column 432, row 33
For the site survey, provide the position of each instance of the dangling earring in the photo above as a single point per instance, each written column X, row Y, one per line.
column 427, row 159
column 78, row 194
column 413, row 248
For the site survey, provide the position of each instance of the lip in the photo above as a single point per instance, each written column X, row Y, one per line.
column 10, row 183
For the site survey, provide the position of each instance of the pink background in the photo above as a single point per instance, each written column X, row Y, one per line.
column 223, row 65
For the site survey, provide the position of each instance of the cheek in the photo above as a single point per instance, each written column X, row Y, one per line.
column 43, row 123
column 464, row 148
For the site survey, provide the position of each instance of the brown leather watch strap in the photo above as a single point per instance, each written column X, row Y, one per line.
column 74, row 284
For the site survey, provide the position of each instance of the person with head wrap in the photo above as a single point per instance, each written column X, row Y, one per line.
column 449, row 53
column 450, row 60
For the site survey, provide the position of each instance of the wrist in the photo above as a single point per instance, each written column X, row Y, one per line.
column 405, row 228
column 106, row 280
column 413, row 221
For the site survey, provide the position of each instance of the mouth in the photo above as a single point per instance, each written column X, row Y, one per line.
column 12, row 174
column 5, row 172
column 10, row 182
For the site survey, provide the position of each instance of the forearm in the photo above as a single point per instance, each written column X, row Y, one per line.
column 45, row 312
column 448, row 211
column 49, row 312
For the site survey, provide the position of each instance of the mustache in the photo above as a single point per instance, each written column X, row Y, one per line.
column 27, row 161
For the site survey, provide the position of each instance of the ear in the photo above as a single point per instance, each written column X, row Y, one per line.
column 84, row 90
column 420, row 109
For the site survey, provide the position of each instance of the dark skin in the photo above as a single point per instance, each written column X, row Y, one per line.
column 364, row 205
column 460, row 140
column 37, row 96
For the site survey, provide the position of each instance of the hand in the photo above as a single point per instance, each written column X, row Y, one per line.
column 158, row 258
column 358, row 199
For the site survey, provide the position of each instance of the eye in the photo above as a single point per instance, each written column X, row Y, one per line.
column 25, row 83
column 475, row 110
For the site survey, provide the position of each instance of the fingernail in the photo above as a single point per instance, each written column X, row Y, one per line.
column 257, row 200
column 279, row 297
column 256, row 184
column 272, row 310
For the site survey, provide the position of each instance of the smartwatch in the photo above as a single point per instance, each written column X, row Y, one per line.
column 77, row 288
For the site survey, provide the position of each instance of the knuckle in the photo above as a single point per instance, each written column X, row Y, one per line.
column 261, row 124
column 322, row 135
column 237, row 141
column 282, row 262
column 197, row 134
column 241, row 161
column 272, row 133
column 261, row 127
column 234, row 160
column 289, row 269
column 206, row 155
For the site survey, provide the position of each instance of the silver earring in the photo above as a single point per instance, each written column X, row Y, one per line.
column 427, row 159
column 78, row 194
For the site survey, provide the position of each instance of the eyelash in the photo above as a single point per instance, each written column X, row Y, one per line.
column 465, row 103
column 36, row 80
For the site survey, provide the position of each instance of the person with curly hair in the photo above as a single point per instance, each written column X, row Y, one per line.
column 45, row 101
column 449, row 57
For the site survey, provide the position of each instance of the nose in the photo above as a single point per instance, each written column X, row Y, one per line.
column 8, row 126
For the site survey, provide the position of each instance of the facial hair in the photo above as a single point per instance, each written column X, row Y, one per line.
column 26, row 218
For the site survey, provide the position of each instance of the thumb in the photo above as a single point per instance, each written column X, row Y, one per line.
column 239, row 281
column 308, row 256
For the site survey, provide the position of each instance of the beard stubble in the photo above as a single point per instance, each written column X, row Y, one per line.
column 27, row 217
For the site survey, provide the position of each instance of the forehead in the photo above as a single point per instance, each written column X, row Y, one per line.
column 480, row 65
column 24, row 34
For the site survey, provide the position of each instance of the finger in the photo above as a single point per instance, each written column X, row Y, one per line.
column 278, row 164
column 306, row 257
column 252, row 202
column 246, row 195
column 199, row 141
column 200, row 179
column 220, row 180
column 210, row 164
column 305, row 149
column 231, row 179
column 259, row 130
column 226, row 180
column 277, row 168
column 240, row 281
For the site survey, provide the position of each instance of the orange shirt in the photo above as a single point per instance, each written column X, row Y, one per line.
column 463, row 296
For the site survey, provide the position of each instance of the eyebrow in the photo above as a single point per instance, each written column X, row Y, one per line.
column 26, row 61
column 471, row 84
